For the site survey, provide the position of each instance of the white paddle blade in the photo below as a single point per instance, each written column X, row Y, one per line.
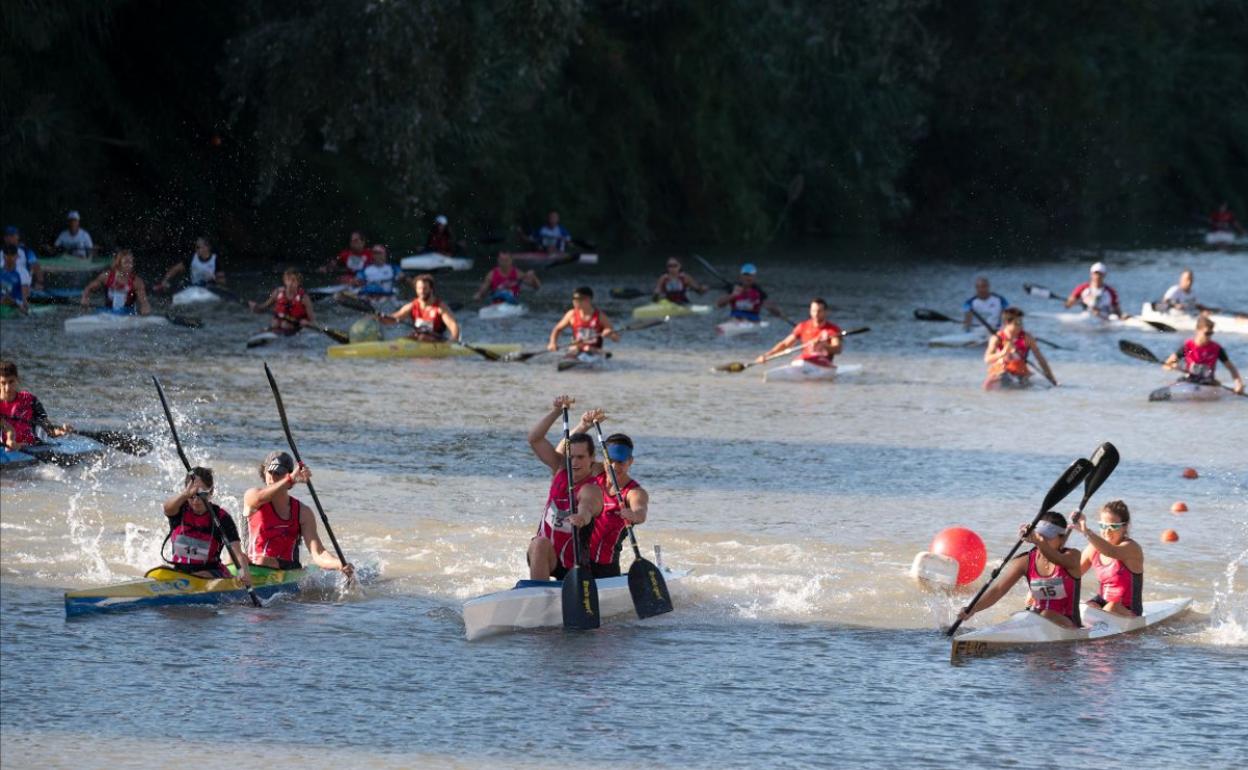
column 934, row 571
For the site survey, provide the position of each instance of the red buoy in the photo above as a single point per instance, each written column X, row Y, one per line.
column 1190, row 473
column 966, row 548
column 1169, row 536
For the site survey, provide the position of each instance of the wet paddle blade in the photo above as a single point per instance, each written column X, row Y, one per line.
column 1137, row 351
column 488, row 355
column 1070, row 479
column 354, row 303
column 735, row 366
column 125, row 442
column 185, row 321
column 1161, row 394
column 1039, row 291
column 1104, row 460
column 649, row 589
column 580, row 600
column 627, row 293
column 525, row 356
column 1159, row 326
column 923, row 314
column 335, row 335
column 566, row 364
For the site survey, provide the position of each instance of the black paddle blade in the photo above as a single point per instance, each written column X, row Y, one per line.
column 525, row 356
column 125, row 442
column 185, row 321
column 1039, row 291
column 1159, row 326
column 1070, row 479
column 566, row 364
column 580, row 600
column 354, row 303
column 488, row 355
column 923, row 314
column 859, row 330
column 1137, row 351
column 627, row 293
column 649, row 589
column 1104, row 460
column 1161, row 394
column 335, row 335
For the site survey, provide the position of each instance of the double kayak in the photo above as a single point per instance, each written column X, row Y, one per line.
column 432, row 260
column 500, row 310
column 801, row 370
column 1183, row 390
column 735, row 327
column 539, row 604
column 665, row 308
column 974, row 338
column 409, row 348
column 1223, row 322
column 1026, row 629
column 165, row 587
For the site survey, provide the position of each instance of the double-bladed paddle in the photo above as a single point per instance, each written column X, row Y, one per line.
column 212, row 512
column 1042, row 292
column 294, row 450
column 1144, row 354
column 125, row 442
column 579, row 591
column 926, row 314
column 635, row 326
column 740, row 366
column 984, row 322
column 627, row 293
column 645, row 580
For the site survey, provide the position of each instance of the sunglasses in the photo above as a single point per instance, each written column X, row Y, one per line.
column 1112, row 527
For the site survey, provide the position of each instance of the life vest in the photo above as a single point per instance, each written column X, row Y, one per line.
column 586, row 333
column 609, row 525
column 290, row 306
column 1117, row 583
column 21, row 415
column 1016, row 362
column 508, row 283
column 748, row 303
column 428, row 320
column 440, row 241
column 810, row 334
column 1101, row 301
column 274, row 537
column 554, row 525
column 196, row 542
column 1058, row 592
column 378, row 279
column 120, row 294
column 675, row 290
column 1201, row 360
column 203, row 271
column 1221, row 220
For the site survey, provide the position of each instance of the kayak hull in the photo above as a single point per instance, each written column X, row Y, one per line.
column 1187, row 391
column 1184, row 322
column 163, row 587
column 973, row 339
column 583, row 362
column 664, row 309
column 193, row 295
column 14, row 460
column 432, row 260
column 801, row 370
column 105, row 321
column 539, row 604
column 501, row 310
column 737, row 327
column 409, row 348
column 66, row 450
column 1027, row 629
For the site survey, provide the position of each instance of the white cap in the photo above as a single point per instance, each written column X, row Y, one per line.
column 440, row 219
column 1099, row 267
column 72, row 215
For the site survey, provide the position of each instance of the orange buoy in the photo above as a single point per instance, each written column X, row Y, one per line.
column 1169, row 536
column 966, row 548
column 1190, row 473
column 1179, row 507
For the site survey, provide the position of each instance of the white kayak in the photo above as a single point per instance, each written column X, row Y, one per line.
column 1223, row 322
column 1220, row 238
column 1026, row 628
column 539, row 604
column 501, row 310
column 327, row 291
column 1188, row 391
column 735, row 327
column 432, row 260
column 192, row 295
column 1092, row 322
column 105, row 321
column 972, row 339
column 801, row 370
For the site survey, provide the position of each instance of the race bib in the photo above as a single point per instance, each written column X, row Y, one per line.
column 557, row 519
column 187, row 548
column 1048, row 589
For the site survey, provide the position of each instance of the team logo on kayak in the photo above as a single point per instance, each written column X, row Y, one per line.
column 170, row 586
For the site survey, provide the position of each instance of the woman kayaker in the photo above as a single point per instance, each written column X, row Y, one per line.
column 1051, row 570
column 589, row 325
column 504, row 282
column 1117, row 559
column 1007, row 351
column 292, row 307
column 430, row 317
column 674, row 285
column 204, row 268
column 551, row 552
column 22, row 413
column 124, row 290
column 198, row 533
column 276, row 521
column 1200, row 355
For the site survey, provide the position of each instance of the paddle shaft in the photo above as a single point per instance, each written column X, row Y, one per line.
column 567, row 469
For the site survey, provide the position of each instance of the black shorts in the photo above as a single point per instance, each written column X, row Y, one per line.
column 559, row 572
column 601, row 571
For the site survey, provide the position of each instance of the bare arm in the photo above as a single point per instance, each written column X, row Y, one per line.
column 530, row 277
column 564, row 323
column 307, row 307
column 608, row 329
column 173, row 272
column 728, row 298
column 1068, row 559
column 140, row 294
column 540, row 445
column 636, row 506
column 783, row 344
column 259, row 307
column 402, row 314
column 258, row 496
column 320, row 557
column 452, row 326
column 1128, row 552
column 1013, row 571
column 1239, row 381
column 1040, row 359
column 588, row 505
column 485, row 286
column 95, row 284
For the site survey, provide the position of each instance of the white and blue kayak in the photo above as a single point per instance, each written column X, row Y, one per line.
column 539, row 604
column 801, row 370
column 432, row 260
column 585, row 362
column 1029, row 629
column 108, row 321
column 501, row 310
column 1223, row 322
column 10, row 460
column 194, row 295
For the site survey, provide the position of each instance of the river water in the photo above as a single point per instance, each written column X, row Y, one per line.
column 798, row 640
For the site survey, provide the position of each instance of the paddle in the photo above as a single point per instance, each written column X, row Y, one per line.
column 926, row 314
column 627, row 293
column 1036, row 290
column 991, row 330
column 1144, row 354
column 126, row 442
column 710, row 269
column 635, row 326
column 738, row 366
column 294, row 450
column 203, row 497
column 188, row 322
column 1070, row 479
column 335, row 335
column 645, row 580
column 579, row 591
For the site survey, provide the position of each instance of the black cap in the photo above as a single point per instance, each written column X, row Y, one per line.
column 279, row 463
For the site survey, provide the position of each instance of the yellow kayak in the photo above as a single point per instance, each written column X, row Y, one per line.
column 407, row 348
column 162, row 587
column 664, row 308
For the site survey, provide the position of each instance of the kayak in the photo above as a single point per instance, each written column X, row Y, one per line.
column 539, row 604
column 12, row 460
column 1188, row 391
column 546, row 259
column 409, row 348
column 164, row 587
column 584, row 362
column 1092, row 322
column 66, row 450
column 500, row 310
column 972, row 339
column 735, row 327
column 801, row 370
column 664, row 308
column 327, row 291
column 55, row 297
column 11, row 311
column 1025, row 628
column 432, row 260
column 67, row 263
column 192, row 295
column 1220, row 238
column 1182, row 321
column 106, row 321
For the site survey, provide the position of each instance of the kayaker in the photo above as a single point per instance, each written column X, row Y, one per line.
column 1050, row 570
column 609, row 527
column 820, row 339
column 552, row 237
column 589, row 325
column 14, row 292
column 431, row 319
column 747, row 299
column 1007, row 351
column 1117, row 559
column 377, row 278
column 1095, row 295
column 1199, row 357
column 23, row 413
column 350, row 260
column 27, row 260
column 1223, row 220
column 73, row 240
column 674, row 285
column 1180, row 296
column 205, row 267
column 124, row 290
column 985, row 302
column 196, row 539
column 504, row 281
column 440, row 240
column 551, row 553
column 292, row 307
column 276, row 521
